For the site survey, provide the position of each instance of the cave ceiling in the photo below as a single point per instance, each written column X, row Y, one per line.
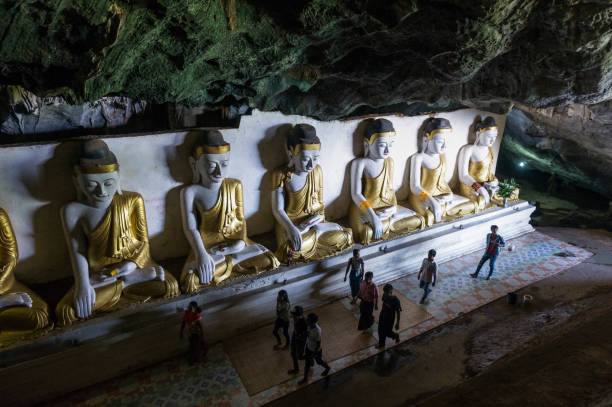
column 323, row 58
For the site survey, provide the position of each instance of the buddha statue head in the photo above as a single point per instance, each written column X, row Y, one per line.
column 378, row 139
column 97, row 174
column 210, row 158
column 486, row 132
column 303, row 148
column 434, row 139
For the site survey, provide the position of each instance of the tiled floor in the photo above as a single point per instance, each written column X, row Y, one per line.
column 216, row 383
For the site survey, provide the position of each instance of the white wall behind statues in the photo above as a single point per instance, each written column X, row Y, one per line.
column 37, row 180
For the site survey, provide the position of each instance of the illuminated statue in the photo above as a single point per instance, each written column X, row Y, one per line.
column 23, row 314
column 213, row 221
column 475, row 165
column 108, row 242
column 430, row 194
column 302, row 233
column 374, row 213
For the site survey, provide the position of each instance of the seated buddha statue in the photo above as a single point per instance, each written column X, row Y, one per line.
column 108, row 242
column 475, row 165
column 213, row 221
column 374, row 213
column 430, row 195
column 23, row 314
column 302, row 233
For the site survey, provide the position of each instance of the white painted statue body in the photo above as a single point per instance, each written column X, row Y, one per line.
column 209, row 173
column 302, row 164
column 431, row 158
column 79, row 218
column 478, row 152
column 371, row 166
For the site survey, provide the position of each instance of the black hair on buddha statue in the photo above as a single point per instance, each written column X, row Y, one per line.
column 377, row 127
column 95, row 152
column 213, row 138
column 487, row 123
column 302, row 134
column 437, row 123
column 210, row 142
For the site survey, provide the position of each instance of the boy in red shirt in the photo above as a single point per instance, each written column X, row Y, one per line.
column 193, row 321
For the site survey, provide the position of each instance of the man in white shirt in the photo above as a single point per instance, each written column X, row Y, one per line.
column 428, row 274
column 314, row 351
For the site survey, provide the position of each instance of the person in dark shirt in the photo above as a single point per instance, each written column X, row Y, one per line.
column 193, row 321
column 390, row 308
column 298, row 338
column 283, row 307
column 494, row 244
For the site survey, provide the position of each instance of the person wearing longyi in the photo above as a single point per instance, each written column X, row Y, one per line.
column 298, row 206
column 368, row 293
column 212, row 210
column 108, row 242
column 374, row 213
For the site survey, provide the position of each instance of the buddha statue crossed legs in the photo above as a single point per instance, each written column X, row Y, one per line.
column 430, row 194
column 475, row 165
column 23, row 314
column 302, row 233
column 374, row 213
column 108, row 242
column 213, row 221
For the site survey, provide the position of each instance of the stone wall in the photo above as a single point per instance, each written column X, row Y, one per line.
column 37, row 179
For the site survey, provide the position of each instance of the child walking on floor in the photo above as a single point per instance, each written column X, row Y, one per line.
column 428, row 274
column 193, row 321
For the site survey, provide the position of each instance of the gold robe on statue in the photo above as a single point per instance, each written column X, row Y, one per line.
column 121, row 236
column 17, row 323
column 379, row 192
column 221, row 223
column 433, row 181
column 481, row 171
column 299, row 206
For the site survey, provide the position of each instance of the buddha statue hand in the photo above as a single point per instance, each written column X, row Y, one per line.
column 310, row 222
column 84, row 299
column 386, row 212
column 15, row 300
column 228, row 247
column 204, row 266
column 485, row 194
column 140, row 275
column 294, row 236
column 376, row 223
column 492, row 186
column 436, row 207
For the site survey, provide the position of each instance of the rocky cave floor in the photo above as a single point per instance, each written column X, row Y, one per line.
column 556, row 351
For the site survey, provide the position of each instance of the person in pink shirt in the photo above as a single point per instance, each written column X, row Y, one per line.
column 368, row 292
